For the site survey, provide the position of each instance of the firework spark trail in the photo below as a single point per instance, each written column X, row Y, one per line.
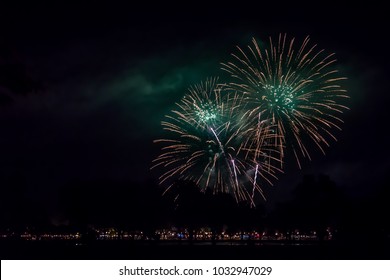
column 219, row 142
column 235, row 172
column 295, row 87
column 254, row 184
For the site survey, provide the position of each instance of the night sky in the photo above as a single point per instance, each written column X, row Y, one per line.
column 83, row 89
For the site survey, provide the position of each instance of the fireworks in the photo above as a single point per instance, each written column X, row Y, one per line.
column 209, row 144
column 232, row 137
column 296, row 87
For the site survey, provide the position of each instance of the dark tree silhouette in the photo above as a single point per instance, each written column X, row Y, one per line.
column 316, row 205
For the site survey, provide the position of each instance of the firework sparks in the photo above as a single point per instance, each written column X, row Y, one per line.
column 209, row 144
column 295, row 87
